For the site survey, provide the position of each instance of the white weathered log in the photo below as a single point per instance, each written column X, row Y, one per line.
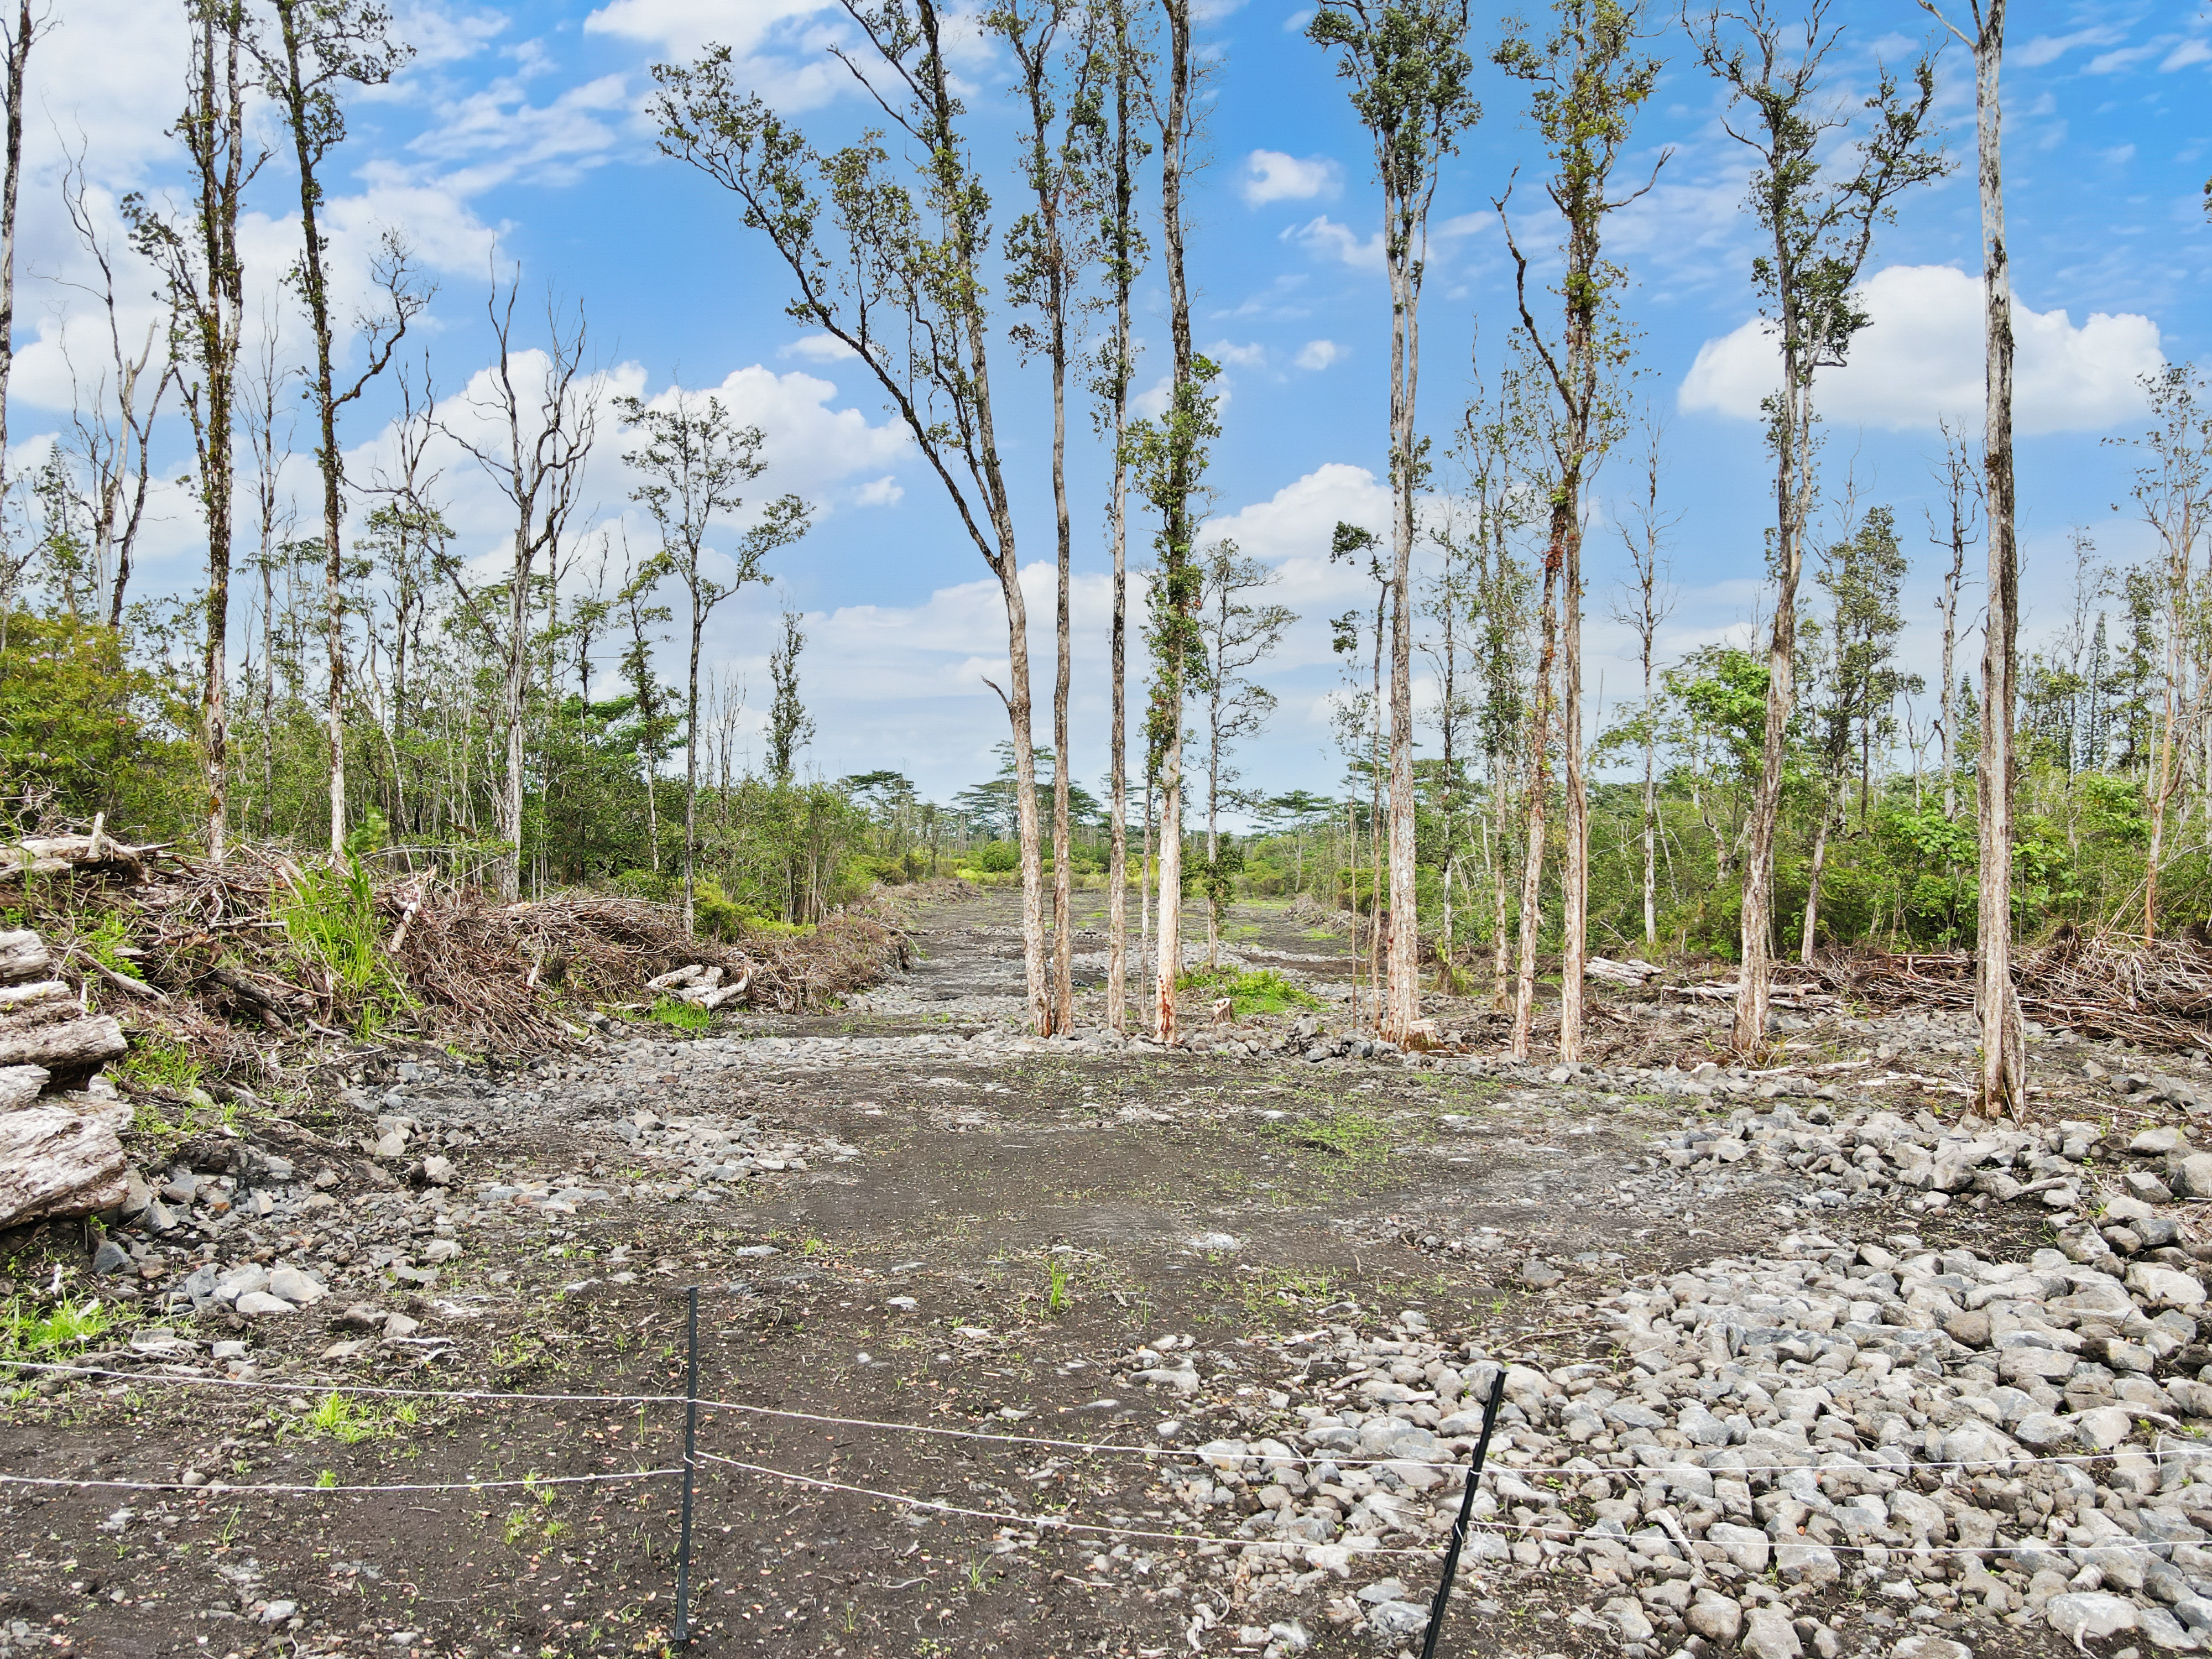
column 44, row 1025
column 1634, row 971
column 57, row 1163
column 690, row 976
column 21, row 1084
column 40, row 855
column 24, row 956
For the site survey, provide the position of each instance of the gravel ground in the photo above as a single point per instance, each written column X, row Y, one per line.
column 1795, row 1362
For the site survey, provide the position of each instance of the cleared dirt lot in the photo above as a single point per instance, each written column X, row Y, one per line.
column 891, row 1219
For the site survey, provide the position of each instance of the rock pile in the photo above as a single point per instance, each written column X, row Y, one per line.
column 1795, row 1451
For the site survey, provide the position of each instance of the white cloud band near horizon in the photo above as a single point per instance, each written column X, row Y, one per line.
column 1920, row 361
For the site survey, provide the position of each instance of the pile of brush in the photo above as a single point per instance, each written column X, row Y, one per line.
column 2112, row 985
column 270, row 941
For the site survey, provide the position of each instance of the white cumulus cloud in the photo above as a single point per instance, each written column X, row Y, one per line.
column 1921, row 360
column 1325, row 238
column 1271, row 175
column 1318, row 354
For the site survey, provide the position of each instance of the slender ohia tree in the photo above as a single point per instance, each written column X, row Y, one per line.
column 1408, row 67
column 1048, row 250
column 889, row 262
column 1586, row 83
column 542, row 438
column 1168, row 459
column 693, row 465
column 321, row 45
column 205, row 282
column 1123, row 248
column 2004, row 1053
column 16, row 42
column 1819, row 212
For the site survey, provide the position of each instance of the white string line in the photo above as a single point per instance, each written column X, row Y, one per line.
column 1310, row 1457
column 223, row 1489
column 1042, row 1523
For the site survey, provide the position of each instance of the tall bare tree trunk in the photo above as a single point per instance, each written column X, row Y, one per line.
column 1574, row 861
column 1539, row 783
column 2004, row 1059
column 1812, row 889
column 1174, row 141
column 1121, row 255
column 19, row 57
column 1500, row 887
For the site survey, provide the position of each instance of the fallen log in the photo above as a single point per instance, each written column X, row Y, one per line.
column 59, row 1162
column 20, row 1085
column 1635, row 971
column 44, row 1025
column 24, row 956
column 52, row 855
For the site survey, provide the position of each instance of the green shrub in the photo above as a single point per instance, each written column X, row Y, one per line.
column 997, row 857
column 332, row 922
column 1262, row 990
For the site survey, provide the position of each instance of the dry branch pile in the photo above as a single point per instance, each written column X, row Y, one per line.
column 2109, row 985
column 208, row 952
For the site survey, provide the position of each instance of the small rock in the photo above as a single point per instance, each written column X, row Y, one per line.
column 398, row 1324
column 2086, row 1615
column 1768, row 1634
column 1931, row 1647
column 438, row 1171
column 277, row 1611
column 1716, row 1617
column 2190, row 1173
column 256, row 1304
column 1395, row 1618
column 441, row 1250
column 295, row 1287
column 110, row 1258
column 1628, row 1618
column 1538, row 1274
column 2167, row 1286
column 1746, row 1548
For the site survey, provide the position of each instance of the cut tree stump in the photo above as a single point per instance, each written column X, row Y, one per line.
column 44, row 1025
column 58, row 1163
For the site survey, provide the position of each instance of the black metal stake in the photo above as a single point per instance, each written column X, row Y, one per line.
column 1466, row 1510
column 682, row 1635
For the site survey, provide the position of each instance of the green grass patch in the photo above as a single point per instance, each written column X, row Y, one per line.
column 1348, row 1135
column 332, row 922
column 1261, row 991
column 26, row 1330
column 680, row 1016
column 349, row 1422
column 155, row 1061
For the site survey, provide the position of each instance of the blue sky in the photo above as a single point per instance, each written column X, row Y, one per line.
column 521, row 135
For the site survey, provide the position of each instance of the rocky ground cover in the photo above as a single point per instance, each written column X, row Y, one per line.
column 1089, row 1347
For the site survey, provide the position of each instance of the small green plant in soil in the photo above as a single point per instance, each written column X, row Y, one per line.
column 1260, row 991
column 1056, row 1297
column 27, row 1329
